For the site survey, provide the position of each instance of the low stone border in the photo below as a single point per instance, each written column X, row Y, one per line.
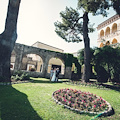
column 104, row 113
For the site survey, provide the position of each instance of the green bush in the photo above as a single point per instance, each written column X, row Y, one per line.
column 116, row 77
column 102, row 75
column 25, row 76
column 115, row 73
column 19, row 75
column 109, row 58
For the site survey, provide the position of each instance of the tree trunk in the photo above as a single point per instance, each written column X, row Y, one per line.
column 7, row 40
column 109, row 78
column 86, row 72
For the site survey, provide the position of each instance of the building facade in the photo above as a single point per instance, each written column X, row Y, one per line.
column 28, row 57
column 109, row 32
column 47, row 47
column 33, row 61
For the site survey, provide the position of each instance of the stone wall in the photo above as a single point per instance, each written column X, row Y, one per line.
column 21, row 50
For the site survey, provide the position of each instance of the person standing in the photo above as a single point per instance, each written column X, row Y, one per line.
column 54, row 75
column 57, row 73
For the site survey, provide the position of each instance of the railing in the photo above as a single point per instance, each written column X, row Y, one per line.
column 109, row 36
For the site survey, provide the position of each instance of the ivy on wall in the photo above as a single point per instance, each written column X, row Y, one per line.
column 68, row 59
column 77, row 64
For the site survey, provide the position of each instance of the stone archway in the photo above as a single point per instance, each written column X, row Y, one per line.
column 32, row 62
column 56, row 63
column 22, row 50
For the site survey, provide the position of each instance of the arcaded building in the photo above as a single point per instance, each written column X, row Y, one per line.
column 35, row 61
column 109, row 32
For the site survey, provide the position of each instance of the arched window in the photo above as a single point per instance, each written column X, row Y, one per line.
column 102, row 33
column 114, row 28
column 101, row 45
column 107, row 32
column 107, row 43
column 114, row 41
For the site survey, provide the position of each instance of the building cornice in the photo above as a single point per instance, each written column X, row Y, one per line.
column 108, row 21
column 48, row 45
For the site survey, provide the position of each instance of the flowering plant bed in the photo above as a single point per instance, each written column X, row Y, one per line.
column 83, row 102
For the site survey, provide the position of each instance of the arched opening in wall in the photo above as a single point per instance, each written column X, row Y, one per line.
column 101, row 33
column 13, row 58
column 107, row 32
column 32, row 62
column 101, row 45
column 74, row 68
column 56, row 63
column 107, row 43
column 114, row 28
column 114, row 41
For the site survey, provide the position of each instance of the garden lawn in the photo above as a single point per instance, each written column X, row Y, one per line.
column 33, row 101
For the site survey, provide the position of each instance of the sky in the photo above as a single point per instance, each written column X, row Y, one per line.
column 36, row 23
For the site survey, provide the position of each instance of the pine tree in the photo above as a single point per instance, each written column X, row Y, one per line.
column 8, row 39
column 71, row 28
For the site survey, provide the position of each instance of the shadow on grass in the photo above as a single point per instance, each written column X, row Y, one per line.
column 112, row 87
column 14, row 105
column 43, row 81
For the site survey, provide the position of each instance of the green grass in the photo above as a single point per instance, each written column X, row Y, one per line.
column 33, row 101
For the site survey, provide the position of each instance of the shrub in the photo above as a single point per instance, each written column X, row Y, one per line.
column 114, row 80
column 19, row 75
column 115, row 76
column 102, row 75
column 25, row 76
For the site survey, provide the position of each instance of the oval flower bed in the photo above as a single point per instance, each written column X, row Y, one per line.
column 83, row 102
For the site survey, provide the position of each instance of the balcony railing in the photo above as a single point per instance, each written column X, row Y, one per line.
column 110, row 35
